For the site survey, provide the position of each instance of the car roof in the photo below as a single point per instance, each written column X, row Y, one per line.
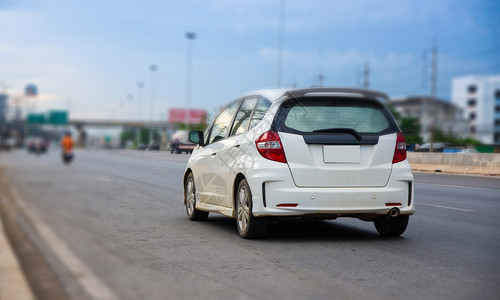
column 275, row 94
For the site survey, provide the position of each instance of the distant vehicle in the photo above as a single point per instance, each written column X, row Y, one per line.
column 154, row 146
column 37, row 145
column 436, row 147
column 141, row 147
column 7, row 143
column 314, row 153
column 459, row 150
column 180, row 143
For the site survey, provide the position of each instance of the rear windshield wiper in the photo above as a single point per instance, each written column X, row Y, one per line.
column 342, row 130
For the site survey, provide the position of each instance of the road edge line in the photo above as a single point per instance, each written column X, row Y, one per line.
column 36, row 270
column 85, row 277
column 13, row 283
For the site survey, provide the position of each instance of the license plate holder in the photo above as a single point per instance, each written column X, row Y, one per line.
column 350, row 154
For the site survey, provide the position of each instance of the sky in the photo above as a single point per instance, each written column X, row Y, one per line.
column 90, row 56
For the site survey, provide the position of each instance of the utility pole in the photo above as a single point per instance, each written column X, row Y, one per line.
column 366, row 75
column 433, row 94
column 424, row 70
column 434, row 71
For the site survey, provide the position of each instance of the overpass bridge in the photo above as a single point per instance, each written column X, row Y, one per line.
column 167, row 129
column 81, row 123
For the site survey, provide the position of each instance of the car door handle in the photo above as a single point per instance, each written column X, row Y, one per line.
column 213, row 154
column 236, row 146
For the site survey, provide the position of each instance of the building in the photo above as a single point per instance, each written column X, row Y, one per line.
column 479, row 96
column 3, row 108
column 432, row 113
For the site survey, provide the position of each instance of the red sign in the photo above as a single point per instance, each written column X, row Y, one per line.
column 179, row 115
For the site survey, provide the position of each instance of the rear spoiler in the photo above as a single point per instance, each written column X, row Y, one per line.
column 346, row 92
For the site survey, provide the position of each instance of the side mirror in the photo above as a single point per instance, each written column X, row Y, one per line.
column 196, row 137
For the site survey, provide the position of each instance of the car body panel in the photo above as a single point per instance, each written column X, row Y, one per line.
column 309, row 169
column 336, row 187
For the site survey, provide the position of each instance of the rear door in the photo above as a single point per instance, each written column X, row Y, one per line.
column 337, row 141
column 210, row 184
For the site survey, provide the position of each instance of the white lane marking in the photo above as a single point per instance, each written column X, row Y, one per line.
column 104, row 178
column 457, row 186
column 158, row 168
column 446, row 207
column 87, row 279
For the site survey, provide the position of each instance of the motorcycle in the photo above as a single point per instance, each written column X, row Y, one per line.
column 67, row 157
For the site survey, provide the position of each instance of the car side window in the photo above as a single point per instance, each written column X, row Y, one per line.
column 220, row 128
column 259, row 111
column 243, row 116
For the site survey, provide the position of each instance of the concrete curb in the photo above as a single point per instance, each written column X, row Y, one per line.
column 13, row 284
column 454, row 169
column 30, row 276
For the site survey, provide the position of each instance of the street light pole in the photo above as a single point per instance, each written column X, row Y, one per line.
column 140, row 85
column 130, row 98
column 153, row 69
column 279, row 64
column 190, row 36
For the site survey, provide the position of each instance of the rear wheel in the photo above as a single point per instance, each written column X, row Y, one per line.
column 249, row 227
column 391, row 226
column 190, row 197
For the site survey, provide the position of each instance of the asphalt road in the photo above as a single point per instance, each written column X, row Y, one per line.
column 112, row 225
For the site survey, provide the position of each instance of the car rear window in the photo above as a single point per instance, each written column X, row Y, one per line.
column 309, row 115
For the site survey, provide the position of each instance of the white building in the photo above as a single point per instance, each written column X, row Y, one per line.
column 432, row 114
column 479, row 96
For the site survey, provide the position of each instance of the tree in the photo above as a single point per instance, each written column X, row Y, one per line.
column 144, row 134
column 411, row 130
column 440, row 136
column 127, row 135
column 409, row 126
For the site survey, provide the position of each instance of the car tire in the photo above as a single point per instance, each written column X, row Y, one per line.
column 391, row 226
column 190, row 200
column 249, row 227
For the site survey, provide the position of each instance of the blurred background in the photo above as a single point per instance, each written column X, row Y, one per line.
column 131, row 74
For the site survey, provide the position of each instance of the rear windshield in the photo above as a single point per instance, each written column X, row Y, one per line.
column 309, row 115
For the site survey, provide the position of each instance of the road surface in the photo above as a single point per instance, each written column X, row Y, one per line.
column 112, row 226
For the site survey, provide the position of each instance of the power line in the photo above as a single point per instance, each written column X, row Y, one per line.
column 487, row 51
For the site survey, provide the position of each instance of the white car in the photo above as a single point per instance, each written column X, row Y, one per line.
column 315, row 153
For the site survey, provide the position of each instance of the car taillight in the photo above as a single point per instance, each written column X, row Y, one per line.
column 400, row 151
column 269, row 146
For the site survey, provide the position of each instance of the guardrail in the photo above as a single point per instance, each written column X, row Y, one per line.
column 457, row 163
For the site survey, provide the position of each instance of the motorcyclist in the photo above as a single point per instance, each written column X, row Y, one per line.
column 67, row 144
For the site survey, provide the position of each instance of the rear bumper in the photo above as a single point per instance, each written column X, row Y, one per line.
column 186, row 147
column 277, row 195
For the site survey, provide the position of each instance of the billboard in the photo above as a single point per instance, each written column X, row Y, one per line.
column 179, row 115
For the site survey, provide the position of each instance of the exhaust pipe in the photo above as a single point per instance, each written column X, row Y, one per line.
column 394, row 212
